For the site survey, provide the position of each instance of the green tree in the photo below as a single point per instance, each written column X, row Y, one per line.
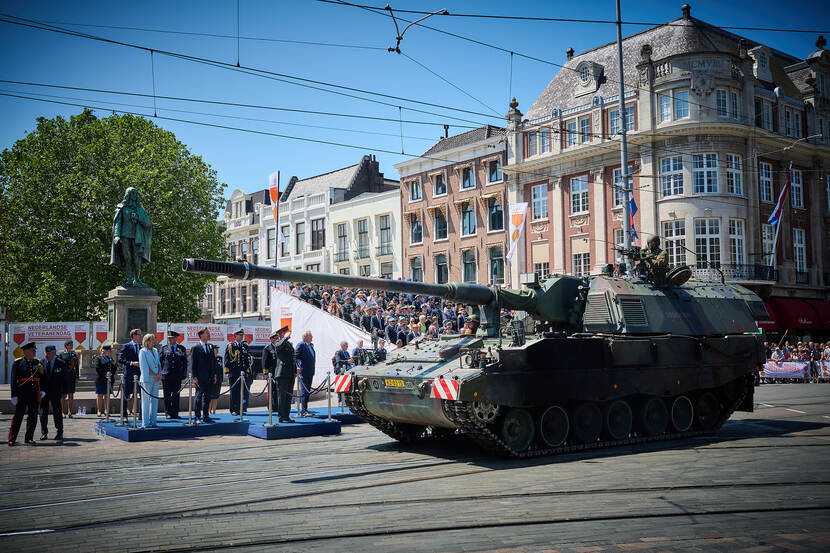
column 58, row 189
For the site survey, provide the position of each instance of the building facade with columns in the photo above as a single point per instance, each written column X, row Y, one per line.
column 713, row 123
column 453, row 204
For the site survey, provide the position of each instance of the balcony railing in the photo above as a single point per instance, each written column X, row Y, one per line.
column 339, row 257
column 712, row 272
column 362, row 253
column 385, row 249
column 802, row 278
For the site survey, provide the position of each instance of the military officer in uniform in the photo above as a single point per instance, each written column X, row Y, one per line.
column 103, row 365
column 238, row 362
column 269, row 363
column 173, row 362
column 26, row 377
column 53, row 384
column 72, row 375
column 284, row 371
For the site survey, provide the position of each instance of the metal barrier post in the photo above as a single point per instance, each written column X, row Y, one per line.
column 268, row 398
column 121, row 406
column 328, row 392
column 135, row 401
column 190, row 397
column 109, row 392
column 241, row 396
column 299, row 407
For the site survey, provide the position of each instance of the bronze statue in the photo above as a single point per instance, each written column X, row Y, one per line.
column 131, row 238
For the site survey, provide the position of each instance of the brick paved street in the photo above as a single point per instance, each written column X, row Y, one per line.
column 761, row 485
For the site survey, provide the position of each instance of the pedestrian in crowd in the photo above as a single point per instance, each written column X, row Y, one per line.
column 359, row 353
column 825, row 355
column 128, row 359
column 390, row 331
column 71, row 376
column 269, row 363
column 27, row 373
column 148, row 363
column 342, row 359
column 306, row 361
column 767, row 350
column 202, row 365
column 105, row 368
column 777, row 355
column 216, row 379
column 173, row 361
column 238, row 367
column 284, row 372
column 54, row 385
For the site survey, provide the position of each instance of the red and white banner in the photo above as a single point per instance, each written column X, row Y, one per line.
column 824, row 370
column 342, row 383
column 189, row 334
column 445, row 388
column 786, row 369
column 518, row 214
column 48, row 334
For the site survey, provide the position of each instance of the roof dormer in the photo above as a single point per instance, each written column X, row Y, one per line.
column 588, row 78
column 761, row 68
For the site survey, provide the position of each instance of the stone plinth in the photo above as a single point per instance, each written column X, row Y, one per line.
column 129, row 308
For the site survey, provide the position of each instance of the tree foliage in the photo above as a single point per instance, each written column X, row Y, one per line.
column 59, row 186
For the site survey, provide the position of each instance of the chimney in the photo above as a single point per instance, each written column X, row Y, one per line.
column 687, row 10
column 570, row 53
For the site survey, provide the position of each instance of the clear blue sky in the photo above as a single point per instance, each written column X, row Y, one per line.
column 245, row 160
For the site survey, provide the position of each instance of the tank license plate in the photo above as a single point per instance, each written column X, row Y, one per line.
column 393, row 383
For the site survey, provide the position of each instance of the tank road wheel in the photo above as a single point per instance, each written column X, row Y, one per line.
column 517, row 429
column 485, row 413
column 707, row 409
column 654, row 416
column 618, row 420
column 554, row 426
column 682, row 413
column 587, row 422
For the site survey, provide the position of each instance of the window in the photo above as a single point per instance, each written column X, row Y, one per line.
column 271, row 242
column 619, row 242
column 788, row 123
column 681, row 104
column 314, row 267
column 827, row 190
column 222, row 302
column 674, row 239
column 385, row 234
column 467, row 178
column 767, row 240
column 614, row 120
column 539, row 207
column 254, row 297
column 468, row 219
column 734, row 175
column 542, row 270
column 570, row 130
column 385, row 269
column 579, row 194
column 797, row 126
column 671, row 175
column 799, row 251
column 532, row 144
column 722, row 103
column 416, row 234
column 255, row 250
column 664, row 101
column 440, row 225
column 344, row 271
column 495, row 215
column 286, row 234
column 736, row 241
column 763, row 114
column 619, row 193
column 243, row 251
column 416, row 269
column 299, row 238
column 233, row 300
column 342, row 242
column 468, row 263
column 365, row 270
column 734, row 101
column 705, row 173
column 233, row 252
column 496, row 272
column 707, row 242
column 765, row 172
column 762, row 60
column 581, row 264
column 494, row 171
column 415, row 191
column 318, row 234
column 363, row 238
column 243, row 298
column 439, row 185
column 545, row 140
column 442, row 271
column 585, row 129
column 796, row 190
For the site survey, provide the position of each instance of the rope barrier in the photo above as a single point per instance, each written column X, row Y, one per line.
column 143, row 389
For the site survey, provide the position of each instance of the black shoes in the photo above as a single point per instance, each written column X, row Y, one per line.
column 30, row 442
column 208, row 420
column 59, row 436
column 43, row 436
column 286, row 420
column 11, row 443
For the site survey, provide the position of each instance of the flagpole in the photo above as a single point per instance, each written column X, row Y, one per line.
column 781, row 216
column 623, row 146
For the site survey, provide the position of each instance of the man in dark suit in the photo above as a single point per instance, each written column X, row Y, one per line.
column 128, row 359
column 342, row 359
column 173, row 362
column 284, row 372
column 391, row 331
column 306, row 359
column 54, row 385
column 202, row 366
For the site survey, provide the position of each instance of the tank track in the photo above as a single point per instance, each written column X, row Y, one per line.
column 402, row 433
column 461, row 414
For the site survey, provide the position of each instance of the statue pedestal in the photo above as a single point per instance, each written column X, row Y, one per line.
column 129, row 308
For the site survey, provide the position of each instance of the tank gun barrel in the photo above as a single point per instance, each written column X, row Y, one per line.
column 467, row 293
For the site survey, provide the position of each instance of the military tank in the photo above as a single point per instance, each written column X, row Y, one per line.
column 585, row 362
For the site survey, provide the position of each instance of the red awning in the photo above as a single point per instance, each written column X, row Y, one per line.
column 771, row 323
column 794, row 313
column 823, row 309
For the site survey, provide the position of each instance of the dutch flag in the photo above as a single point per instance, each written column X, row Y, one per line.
column 779, row 206
column 632, row 210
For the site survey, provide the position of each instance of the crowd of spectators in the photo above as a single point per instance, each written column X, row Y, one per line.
column 398, row 318
column 811, row 352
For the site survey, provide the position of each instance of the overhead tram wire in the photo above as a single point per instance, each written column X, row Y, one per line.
column 566, row 20
column 35, row 24
column 236, row 104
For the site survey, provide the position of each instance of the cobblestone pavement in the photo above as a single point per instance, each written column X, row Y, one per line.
column 761, row 485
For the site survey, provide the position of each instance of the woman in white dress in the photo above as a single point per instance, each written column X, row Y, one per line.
column 148, row 362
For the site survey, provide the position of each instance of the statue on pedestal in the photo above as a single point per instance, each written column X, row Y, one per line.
column 131, row 238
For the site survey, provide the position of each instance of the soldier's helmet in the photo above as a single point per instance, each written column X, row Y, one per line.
column 654, row 241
